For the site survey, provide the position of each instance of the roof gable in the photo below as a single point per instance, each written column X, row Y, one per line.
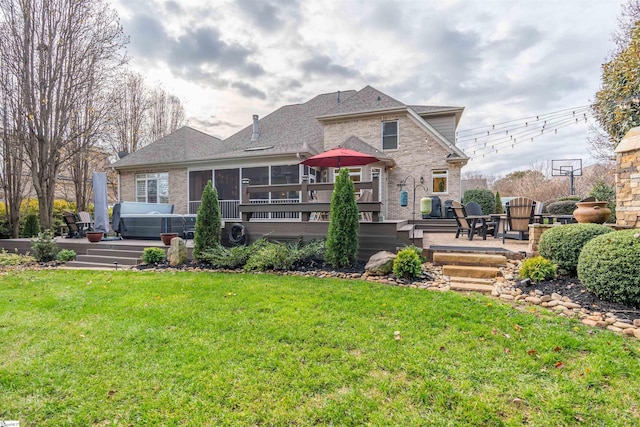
column 366, row 100
column 182, row 145
column 287, row 129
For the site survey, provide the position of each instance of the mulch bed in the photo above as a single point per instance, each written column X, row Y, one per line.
column 572, row 287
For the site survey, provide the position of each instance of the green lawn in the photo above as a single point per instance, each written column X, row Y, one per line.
column 134, row 348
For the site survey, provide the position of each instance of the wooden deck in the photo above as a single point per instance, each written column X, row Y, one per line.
column 374, row 236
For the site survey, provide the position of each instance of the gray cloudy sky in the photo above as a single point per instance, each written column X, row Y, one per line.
column 501, row 60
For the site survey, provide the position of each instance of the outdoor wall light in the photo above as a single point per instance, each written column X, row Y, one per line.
column 421, row 180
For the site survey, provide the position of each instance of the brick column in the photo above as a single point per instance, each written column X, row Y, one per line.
column 628, row 180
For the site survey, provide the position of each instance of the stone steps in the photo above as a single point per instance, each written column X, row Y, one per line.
column 457, row 258
column 81, row 265
column 478, row 272
column 470, row 272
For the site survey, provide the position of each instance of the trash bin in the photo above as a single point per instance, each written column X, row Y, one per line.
column 448, row 209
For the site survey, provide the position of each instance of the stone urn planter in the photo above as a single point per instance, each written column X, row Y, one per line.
column 94, row 236
column 166, row 238
column 594, row 212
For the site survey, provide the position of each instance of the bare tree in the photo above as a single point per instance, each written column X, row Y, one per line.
column 166, row 114
column 56, row 50
column 130, row 103
column 12, row 168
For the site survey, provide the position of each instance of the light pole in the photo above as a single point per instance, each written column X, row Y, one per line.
column 415, row 186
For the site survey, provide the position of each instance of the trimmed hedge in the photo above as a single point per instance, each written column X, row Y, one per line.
column 562, row 244
column 608, row 266
column 563, row 207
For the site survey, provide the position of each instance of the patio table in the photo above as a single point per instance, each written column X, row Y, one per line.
column 483, row 219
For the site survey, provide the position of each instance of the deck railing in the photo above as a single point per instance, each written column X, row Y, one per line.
column 305, row 206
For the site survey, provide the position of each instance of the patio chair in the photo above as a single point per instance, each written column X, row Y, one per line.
column 469, row 227
column 520, row 213
column 85, row 220
column 75, row 228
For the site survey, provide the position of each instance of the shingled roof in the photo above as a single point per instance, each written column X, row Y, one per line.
column 183, row 145
column 366, row 100
column 287, row 129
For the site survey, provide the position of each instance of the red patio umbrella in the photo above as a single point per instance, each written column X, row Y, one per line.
column 338, row 157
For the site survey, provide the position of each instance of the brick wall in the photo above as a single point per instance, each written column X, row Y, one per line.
column 177, row 187
column 628, row 180
column 417, row 156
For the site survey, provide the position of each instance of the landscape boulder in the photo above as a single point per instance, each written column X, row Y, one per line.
column 177, row 254
column 380, row 264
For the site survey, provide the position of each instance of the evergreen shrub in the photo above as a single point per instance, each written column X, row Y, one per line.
column 562, row 207
column 407, row 264
column 483, row 197
column 562, row 244
column 342, row 238
column 208, row 222
column 44, row 247
column 31, row 226
column 153, row 255
column 608, row 266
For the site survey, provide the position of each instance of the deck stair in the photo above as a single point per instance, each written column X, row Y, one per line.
column 470, row 271
column 106, row 259
column 436, row 225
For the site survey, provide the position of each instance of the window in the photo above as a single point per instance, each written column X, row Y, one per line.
column 390, row 135
column 227, row 182
column 152, row 188
column 440, row 181
column 197, row 181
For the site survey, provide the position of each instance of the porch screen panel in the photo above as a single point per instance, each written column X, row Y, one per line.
column 287, row 174
column 227, row 183
column 197, row 181
column 257, row 176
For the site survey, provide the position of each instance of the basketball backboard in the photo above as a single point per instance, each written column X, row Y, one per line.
column 566, row 167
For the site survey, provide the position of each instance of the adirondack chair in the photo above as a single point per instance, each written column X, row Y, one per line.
column 467, row 226
column 366, row 196
column 75, row 228
column 520, row 213
column 85, row 220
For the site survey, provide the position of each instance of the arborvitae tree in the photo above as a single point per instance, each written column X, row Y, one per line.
column 499, row 209
column 342, row 238
column 207, row 233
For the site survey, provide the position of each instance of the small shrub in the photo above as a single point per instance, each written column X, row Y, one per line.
column 342, row 237
column 562, row 207
column 153, row 255
column 31, row 226
column 66, row 255
column 8, row 259
column 407, row 264
column 221, row 257
column 483, row 197
column 44, row 247
column 271, row 256
column 609, row 267
column 562, row 244
column 311, row 252
column 538, row 269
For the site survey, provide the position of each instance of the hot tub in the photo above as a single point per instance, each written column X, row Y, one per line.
column 134, row 220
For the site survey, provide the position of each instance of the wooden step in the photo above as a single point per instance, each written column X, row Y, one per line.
column 459, row 258
column 470, row 271
column 80, row 265
column 476, row 280
column 471, row 287
column 107, row 259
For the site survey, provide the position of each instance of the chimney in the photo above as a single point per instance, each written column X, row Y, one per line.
column 256, row 132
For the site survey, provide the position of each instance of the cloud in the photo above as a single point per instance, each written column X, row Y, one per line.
column 173, row 7
column 248, row 90
column 262, row 13
column 323, row 65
